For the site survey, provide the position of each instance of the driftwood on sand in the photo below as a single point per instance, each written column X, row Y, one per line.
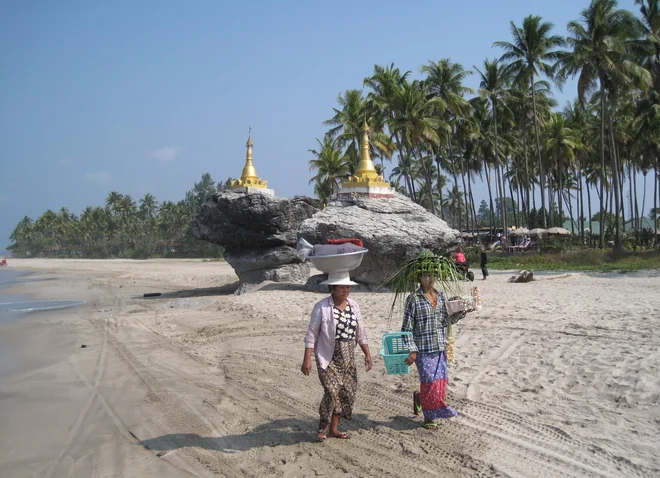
column 524, row 276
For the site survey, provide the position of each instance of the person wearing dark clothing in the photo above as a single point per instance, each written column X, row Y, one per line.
column 484, row 264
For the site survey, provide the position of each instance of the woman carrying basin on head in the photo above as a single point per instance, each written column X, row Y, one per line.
column 335, row 328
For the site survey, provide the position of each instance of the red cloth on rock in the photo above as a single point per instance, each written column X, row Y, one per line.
column 355, row 241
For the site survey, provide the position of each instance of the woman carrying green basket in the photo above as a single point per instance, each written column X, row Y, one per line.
column 425, row 316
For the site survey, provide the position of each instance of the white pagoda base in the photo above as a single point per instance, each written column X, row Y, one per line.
column 250, row 190
column 372, row 192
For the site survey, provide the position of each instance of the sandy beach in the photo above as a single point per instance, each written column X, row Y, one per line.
column 557, row 377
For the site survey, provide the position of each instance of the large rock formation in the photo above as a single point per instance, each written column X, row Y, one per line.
column 393, row 229
column 258, row 232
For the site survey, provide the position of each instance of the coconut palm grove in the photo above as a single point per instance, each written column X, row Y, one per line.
column 544, row 164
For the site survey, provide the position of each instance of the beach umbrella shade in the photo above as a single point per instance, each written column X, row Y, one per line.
column 559, row 231
column 537, row 232
column 521, row 231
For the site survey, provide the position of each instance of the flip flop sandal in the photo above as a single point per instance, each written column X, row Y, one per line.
column 341, row 436
column 322, row 434
column 431, row 426
column 417, row 406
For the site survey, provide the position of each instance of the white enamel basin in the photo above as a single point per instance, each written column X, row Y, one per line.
column 338, row 262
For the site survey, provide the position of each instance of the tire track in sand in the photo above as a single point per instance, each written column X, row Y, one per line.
column 179, row 415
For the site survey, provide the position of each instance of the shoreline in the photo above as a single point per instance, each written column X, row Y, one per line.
column 556, row 376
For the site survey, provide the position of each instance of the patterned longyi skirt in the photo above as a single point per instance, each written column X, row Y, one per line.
column 339, row 381
column 433, row 378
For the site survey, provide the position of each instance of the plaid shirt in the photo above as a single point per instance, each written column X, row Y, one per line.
column 427, row 323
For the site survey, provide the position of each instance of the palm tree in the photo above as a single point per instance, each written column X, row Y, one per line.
column 600, row 56
column 346, row 127
column 384, row 82
column 415, row 123
column 22, row 237
column 331, row 166
column 648, row 108
column 561, row 145
column 149, row 205
column 113, row 201
column 494, row 86
column 576, row 117
column 127, row 206
column 532, row 48
column 444, row 80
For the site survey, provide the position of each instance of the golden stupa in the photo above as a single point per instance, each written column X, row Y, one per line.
column 249, row 178
column 365, row 174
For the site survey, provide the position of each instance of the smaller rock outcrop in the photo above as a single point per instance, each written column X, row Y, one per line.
column 258, row 233
column 393, row 229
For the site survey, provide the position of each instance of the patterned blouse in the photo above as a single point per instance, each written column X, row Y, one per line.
column 345, row 323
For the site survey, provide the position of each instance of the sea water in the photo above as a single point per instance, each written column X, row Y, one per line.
column 15, row 306
column 8, row 278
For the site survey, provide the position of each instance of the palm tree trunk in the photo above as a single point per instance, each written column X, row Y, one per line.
column 538, row 151
column 559, row 198
column 408, row 179
column 551, row 195
column 618, row 238
column 465, row 195
column 609, row 199
column 601, row 243
column 643, row 193
column 428, row 181
column 497, row 163
column 581, row 198
column 439, row 183
column 513, row 206
column 453, row 170
column 622, row 181
column 655, row 200
column 634, row 180
column 570, row 211
column 521, row 217
column 527, row 182
column 474, row 207
column 501, row 194
column 633, row 222
column 490, row 198
column 591, row 227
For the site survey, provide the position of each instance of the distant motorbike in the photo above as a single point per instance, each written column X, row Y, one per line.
column 3, row 262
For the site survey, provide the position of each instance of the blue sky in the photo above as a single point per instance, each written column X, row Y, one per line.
column 147, row 96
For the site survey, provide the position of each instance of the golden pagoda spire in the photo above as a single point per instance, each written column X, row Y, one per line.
column 249, row 176
column 366, row 168
column 366, row 182
column 249, row 171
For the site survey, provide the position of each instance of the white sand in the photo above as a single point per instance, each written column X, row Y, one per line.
column 558, row 377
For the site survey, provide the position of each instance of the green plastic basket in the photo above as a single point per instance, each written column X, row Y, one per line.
column 395, row 352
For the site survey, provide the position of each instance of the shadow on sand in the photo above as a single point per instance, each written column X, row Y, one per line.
column 291, row 431
column 229, row 289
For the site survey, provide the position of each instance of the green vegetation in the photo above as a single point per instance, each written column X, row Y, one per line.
column 123, row 228
column 441, row 135
column 584, row 260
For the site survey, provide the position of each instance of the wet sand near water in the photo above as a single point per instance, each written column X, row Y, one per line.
column 557, row 377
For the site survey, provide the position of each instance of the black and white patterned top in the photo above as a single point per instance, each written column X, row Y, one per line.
column 345, row 323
